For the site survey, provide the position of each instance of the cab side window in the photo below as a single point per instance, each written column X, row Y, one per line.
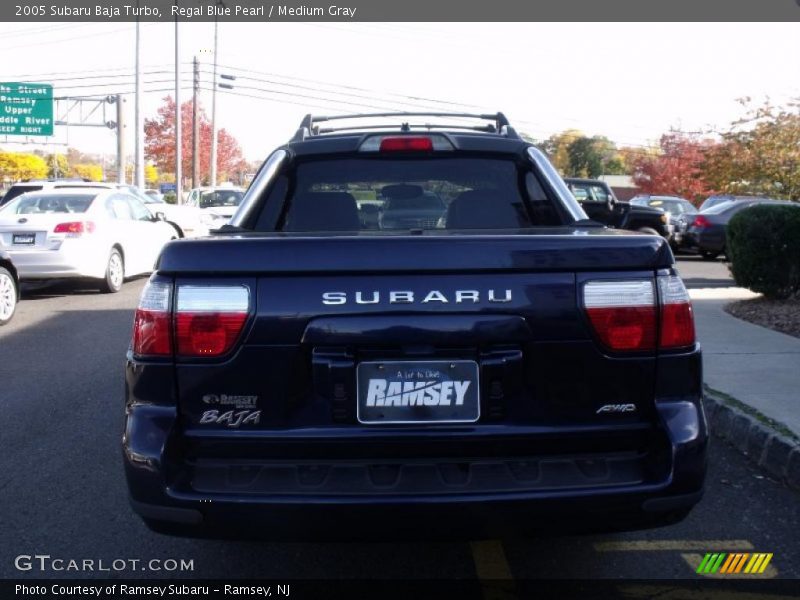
column 598, row 194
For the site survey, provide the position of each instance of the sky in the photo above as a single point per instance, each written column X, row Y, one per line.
column 628, row 81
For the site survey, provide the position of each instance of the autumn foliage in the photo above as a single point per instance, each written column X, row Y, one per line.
column 160, row 143
column 18, row 165
column 679, row 169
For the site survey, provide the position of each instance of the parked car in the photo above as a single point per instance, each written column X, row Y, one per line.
column 96, row 233
column 675, row 207
column 600, row 204
column 409, row 207
column 155, row 194
column 186, row 220
column 9, row 288
column 216, row 204
column 511, row 366
column 705, row 232
column 717, row 199
column 38, row 185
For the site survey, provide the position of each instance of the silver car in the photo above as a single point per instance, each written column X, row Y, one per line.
column 101, row 234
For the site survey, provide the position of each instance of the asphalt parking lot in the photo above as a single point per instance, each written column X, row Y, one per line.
column 699, row 273
column 62, row 491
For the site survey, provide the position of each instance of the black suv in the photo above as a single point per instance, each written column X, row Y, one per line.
column 600, row 204
column 479, row 359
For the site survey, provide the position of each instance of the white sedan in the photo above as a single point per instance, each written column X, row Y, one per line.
column 187, row 220
column 94, row 233
column 217, row 204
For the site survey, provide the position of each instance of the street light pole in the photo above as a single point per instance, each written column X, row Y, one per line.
column 178, row 118
column 213, row 178
column 139, row 114
column 195, row 124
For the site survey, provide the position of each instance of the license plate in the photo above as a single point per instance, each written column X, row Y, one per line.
column 395, row 392
column 27, row 239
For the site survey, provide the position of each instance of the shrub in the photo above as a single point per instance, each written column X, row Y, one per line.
column 763, row 245
column 170, row 198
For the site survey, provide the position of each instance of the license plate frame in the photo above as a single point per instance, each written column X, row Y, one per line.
column 427, row 375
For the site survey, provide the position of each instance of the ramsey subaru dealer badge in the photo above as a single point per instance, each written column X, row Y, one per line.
column 418, row 392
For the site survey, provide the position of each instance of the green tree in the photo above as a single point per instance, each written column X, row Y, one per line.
column 556, row 148
column 577, row 155
column 592, row 156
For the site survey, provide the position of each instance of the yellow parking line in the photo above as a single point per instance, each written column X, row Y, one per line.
column 661, row 545
column 490, row 560
column 493, row 571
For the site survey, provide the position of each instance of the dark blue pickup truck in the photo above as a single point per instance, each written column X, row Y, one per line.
column 410, row 328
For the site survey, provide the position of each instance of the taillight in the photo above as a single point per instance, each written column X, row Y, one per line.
column 209, row 319
column 152, row 331
column 701, row 222
column 406, row 144
column 677, row 320
column 622, row 313
column 624, row 316
column 75, row 228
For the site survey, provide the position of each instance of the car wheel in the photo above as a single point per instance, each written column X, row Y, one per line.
column 649, row 230
column 709, row 255
column 8, row 296
column 115, row 274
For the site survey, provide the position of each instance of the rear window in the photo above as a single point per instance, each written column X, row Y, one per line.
column 34, row 204
column 220, row 198
column 17, row 190
column 403, row 194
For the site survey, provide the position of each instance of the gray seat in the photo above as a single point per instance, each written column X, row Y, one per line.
column 482, row 209
column 323, row 211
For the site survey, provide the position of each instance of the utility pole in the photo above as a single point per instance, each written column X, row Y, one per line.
column 195, row 126
column 213, row 178
column 178, row 157
column 120, row 139
column 138, row 114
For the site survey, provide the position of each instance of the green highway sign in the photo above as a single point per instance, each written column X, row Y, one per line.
column 26, row 109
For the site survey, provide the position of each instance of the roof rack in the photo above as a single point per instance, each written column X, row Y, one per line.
column 309, row 127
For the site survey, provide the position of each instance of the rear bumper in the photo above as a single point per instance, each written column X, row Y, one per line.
column 302, row 499
column 72, row 260
column 428, row 518
column 711, row 241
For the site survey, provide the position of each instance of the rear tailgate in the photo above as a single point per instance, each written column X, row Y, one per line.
column 320, row 307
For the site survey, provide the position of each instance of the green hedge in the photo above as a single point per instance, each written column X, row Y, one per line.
column 763, row 245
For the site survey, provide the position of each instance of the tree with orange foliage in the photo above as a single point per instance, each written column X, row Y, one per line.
column 677, row 170
column 160, row 143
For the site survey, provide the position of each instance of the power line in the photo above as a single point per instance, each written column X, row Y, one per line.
column 351, row 87
column 71, row 39
column 35, row 76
